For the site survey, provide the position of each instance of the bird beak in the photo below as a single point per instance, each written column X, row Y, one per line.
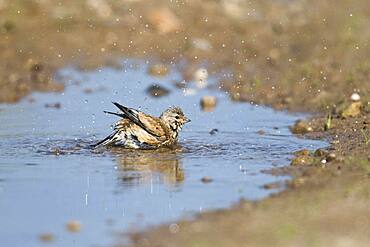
column 187, row 120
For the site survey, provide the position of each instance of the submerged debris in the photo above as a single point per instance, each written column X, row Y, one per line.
column 157, row 91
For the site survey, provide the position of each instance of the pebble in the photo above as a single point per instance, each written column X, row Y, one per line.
column 46, row 237
column 320, row 152
column 301, row 127
column 355, row 97
column 213, row 131
column 302, row 152
column 261, row 132
column 301, row 161
column 353, row 110
column 157, row 91
column 73, row 226
column 53, row 105
column 206, row 179
column 208, row 103
column 56, row 151
column 331, row 157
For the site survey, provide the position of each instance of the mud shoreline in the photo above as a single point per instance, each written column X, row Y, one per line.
column 274, row 60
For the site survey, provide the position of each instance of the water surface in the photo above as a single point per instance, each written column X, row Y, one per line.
column 49, row 175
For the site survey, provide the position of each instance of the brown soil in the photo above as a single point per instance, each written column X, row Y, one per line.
column 326, row 203
column 297, row 55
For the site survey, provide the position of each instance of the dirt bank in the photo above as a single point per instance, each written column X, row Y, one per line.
column 325, row 204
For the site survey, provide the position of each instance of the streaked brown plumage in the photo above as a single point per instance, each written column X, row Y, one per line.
column 139, row 130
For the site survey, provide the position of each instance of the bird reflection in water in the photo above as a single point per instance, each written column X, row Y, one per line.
column 137, row 167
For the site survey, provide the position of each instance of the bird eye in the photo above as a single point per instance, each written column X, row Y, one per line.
column 177, row 117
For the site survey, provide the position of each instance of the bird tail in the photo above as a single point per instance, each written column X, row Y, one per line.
column 109, row 140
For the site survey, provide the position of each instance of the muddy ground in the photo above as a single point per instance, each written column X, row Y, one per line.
column 296, row 55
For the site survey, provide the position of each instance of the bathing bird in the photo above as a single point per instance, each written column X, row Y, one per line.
column 138, row 130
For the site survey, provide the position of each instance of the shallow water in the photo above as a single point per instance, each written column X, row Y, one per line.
column 49, row 175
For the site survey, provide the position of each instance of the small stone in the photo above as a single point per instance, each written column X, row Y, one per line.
column 206, row 179
column 320, row 152
column 331, row 157
column 355, row 97
column 302, row 161
column 53, row 105
column 301, row 127
column 353, row 110
column 56, row 151
column 157, row 91
column 303, row 152
column 213, row 131
column 158, row 70
column 88, row 91
column 261, row 132
column 74, row 226
column 208, row 103
column 46, row 237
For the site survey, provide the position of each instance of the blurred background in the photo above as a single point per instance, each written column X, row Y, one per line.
column 295, row 54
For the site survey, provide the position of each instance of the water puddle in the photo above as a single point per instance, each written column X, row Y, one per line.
column 49, row 175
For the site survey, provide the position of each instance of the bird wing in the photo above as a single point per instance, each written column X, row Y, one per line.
column 148, row 123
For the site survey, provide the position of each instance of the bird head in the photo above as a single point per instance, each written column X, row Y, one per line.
column 174, row 117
